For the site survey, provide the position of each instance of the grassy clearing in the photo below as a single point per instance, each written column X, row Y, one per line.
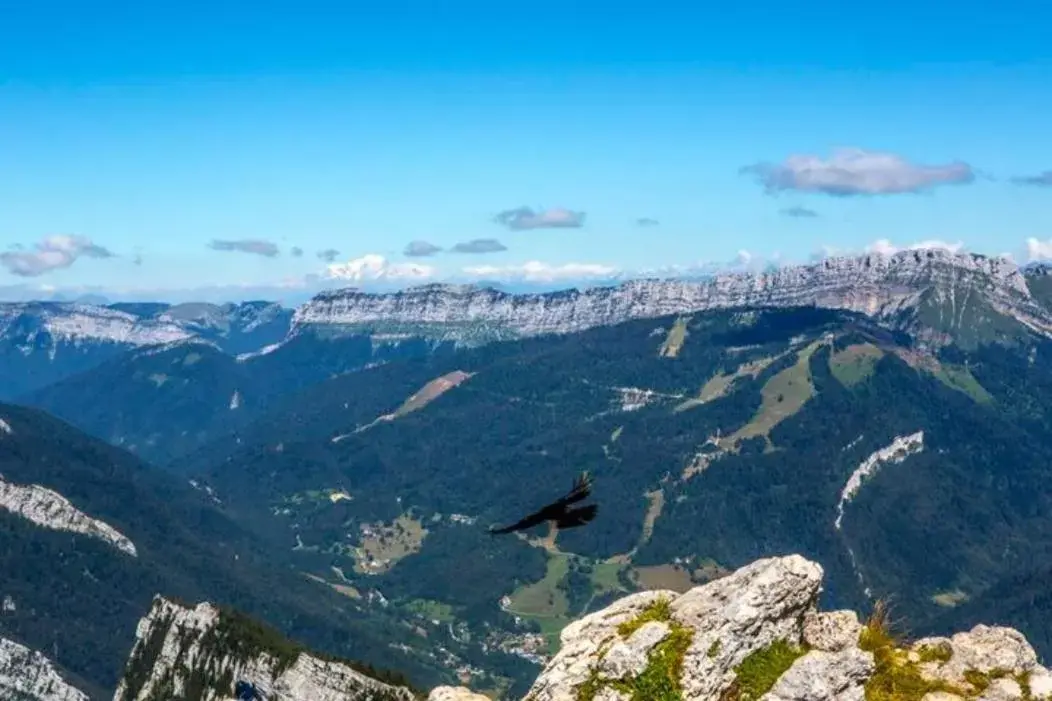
column 854, row 364
column 719, row 385
column 432, row 391
column 543, row 599
column 605, row 577
column 382, row 545
column 960, row 378
column 344, row 589
column 675, row 338
column 658, row 577
column 654, row 509
column 783, row 395
column 432, row 610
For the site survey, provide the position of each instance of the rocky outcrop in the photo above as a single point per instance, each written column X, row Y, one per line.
column 947, row 289
column 49, row 509
column 203, row 653
column 757, row 635
column 26, row 675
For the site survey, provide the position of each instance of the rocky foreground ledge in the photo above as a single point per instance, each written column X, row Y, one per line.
column 757, row 635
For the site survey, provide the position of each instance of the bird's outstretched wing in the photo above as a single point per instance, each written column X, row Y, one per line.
column 577, row 517
column 582, row 487
column 534, row 519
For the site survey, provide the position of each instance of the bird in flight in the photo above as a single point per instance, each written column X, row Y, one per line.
column 559, row 513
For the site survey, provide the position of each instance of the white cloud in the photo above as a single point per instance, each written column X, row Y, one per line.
column 375, row 267
column 51, row 253
column 886, row 248
column 1038, row 250
column 855, row 171
column 536, row 271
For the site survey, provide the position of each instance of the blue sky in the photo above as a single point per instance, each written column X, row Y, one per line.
column 195, row 147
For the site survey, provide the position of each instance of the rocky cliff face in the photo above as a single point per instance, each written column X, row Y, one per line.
column 757, row 634
column 205, row 654
column 952, row 295
column 42, row 342
column 26, row 675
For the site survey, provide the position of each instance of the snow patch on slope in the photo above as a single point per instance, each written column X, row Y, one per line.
column 48, row 508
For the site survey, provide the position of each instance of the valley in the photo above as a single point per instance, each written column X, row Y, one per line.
column 355, row 463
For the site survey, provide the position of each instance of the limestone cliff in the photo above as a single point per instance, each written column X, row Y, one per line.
column 757, row 635
column 208, row 654
column 938, row 295
column 26, row 675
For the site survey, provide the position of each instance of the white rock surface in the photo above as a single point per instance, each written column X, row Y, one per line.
column 745, row 613
column 730, row 618
column 46, row 507
column 183, row 650
column 832, row 631
column 27, row 675
column 453, row 693
column 825, row 676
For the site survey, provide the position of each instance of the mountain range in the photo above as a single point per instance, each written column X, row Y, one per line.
column 885, row 416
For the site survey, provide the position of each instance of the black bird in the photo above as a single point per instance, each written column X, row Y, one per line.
column 558, row 513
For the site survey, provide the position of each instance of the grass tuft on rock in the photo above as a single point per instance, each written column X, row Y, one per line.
column 661, row 679
column 894, row 678
column 758, row 672
column 658, row 610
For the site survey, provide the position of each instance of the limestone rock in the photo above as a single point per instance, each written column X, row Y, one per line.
column 454, row 693
column 983, row 649
column 1040, row 684
column 832, row 631
column 628, row 658
column 741, row 613
column 825, row 676
column 1002, row 690
column 727, row 619
column 180, row 647
column 581, row 642
column 27, row 675
column 941, row 696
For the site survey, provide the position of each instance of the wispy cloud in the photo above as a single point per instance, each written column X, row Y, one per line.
column 1040, row 180
column 647, row 221
column 479, row 246
column 525, row 218
column 536, row 271
column 372, row 267
column 1038, row 250
column 420, row 249
column 329, row 255
column 296, row 252
column 885, row 247
column 799, row 212
column 853, row 171
column 51, row 253
column 255, row 246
